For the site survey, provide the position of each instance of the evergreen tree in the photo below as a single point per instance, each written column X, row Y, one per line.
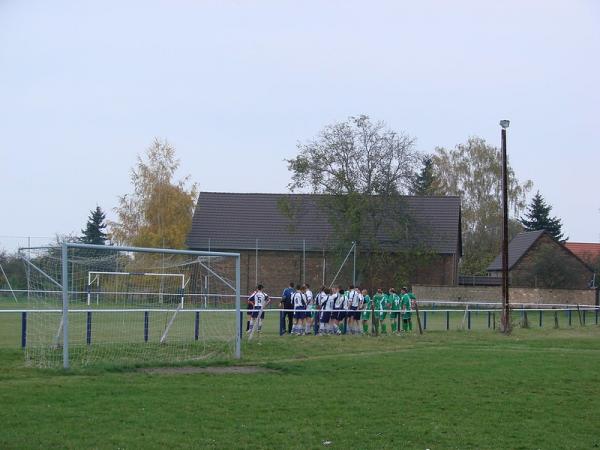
column 94, row 228
column 538, row 217
column 425, row 182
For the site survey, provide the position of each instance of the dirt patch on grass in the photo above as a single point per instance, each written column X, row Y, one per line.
column 213, row 370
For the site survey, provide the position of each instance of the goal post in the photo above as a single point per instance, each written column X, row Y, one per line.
column 131, row 305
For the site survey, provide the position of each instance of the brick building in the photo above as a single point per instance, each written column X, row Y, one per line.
column 276, row 250
column 536, row 260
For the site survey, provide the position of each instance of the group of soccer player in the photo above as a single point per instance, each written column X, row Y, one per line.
column 338, row 310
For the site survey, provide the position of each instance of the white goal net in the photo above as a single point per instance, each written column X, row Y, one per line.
column 129, row 306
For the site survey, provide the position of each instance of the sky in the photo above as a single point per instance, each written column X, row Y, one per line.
column 234, row 85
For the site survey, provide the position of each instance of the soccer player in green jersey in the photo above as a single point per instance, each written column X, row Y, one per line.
column 406, row 305
column 381, row 306
column 366, row 311
column 394, row 300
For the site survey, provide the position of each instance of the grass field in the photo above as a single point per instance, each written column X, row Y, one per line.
column 538, row 388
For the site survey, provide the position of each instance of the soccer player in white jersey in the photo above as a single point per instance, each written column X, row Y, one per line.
column 310, row 308
column 327, row 312
column 352, row 306
column 299, row 301
column 321, row 301
column 355, row 300
column 338, row 309
column 260, row 301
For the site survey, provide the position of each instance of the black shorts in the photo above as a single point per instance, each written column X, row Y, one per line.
column 354, row 313
column 258, row 311
column 299, row 313
column 340, row 315
column 325, row 316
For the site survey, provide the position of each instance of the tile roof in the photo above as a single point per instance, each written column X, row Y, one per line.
column 238, row 220
column 585, row 251
column 517, row 247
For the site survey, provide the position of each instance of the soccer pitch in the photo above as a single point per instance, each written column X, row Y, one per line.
column 535, row 389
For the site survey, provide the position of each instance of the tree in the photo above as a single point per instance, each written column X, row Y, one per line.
column 93, row 233
column 472, row 171
column 538, row 217
column 14, row 270
column 363, row 167
column 425, row 182
column 159, row 211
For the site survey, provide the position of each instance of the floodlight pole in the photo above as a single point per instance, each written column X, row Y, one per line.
column 506, row 325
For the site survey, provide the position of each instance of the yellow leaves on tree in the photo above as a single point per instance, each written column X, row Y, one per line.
column 159, row 211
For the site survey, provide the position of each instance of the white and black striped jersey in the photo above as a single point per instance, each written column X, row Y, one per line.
column 330, row 302
column 321, row 299
column 353, row 298
column 361, row 299
column 259, row 299
column 339, row 301
column 309, row 297
column 299, row 299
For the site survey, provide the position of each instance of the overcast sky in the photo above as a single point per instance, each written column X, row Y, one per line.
column 85, row 86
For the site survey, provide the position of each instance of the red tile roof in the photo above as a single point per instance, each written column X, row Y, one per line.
column 586, row 251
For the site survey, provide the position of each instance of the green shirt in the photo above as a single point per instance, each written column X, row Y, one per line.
column 394, row 299
column 367, row 303
column 405, row 303
column 380, row 302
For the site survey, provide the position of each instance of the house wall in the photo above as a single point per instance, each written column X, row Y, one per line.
column 276, row 269
column 520, row 274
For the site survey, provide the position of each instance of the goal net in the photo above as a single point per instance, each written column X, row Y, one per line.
column 129, row 306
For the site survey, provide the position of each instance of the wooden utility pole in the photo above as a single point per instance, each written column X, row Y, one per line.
column 506, row 321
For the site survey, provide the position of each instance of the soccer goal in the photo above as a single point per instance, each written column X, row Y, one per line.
column 93, row 304
column 164, row 286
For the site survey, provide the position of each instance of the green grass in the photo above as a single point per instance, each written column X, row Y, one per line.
column 535, row 389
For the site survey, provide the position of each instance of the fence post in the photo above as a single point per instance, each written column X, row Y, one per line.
column 316, row 322
column 570, row 316
column 88, row 329
column 345, row 323
column 281, row 323
column 197, row 325
column 494, row 320
column 241, row 327
column 23, row 329
column 541, row 318
column 468, row 319
column 584, row 311
column 555, row 319
column 447, row 320
column 424, row 320
column 579, row 314
column 146, row 326
column 596, row 315
column 525, row 319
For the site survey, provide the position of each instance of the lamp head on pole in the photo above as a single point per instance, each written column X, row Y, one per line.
column 504, row 124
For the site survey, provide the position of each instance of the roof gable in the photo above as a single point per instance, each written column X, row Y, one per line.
column 249, row 220
column 517, row 248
